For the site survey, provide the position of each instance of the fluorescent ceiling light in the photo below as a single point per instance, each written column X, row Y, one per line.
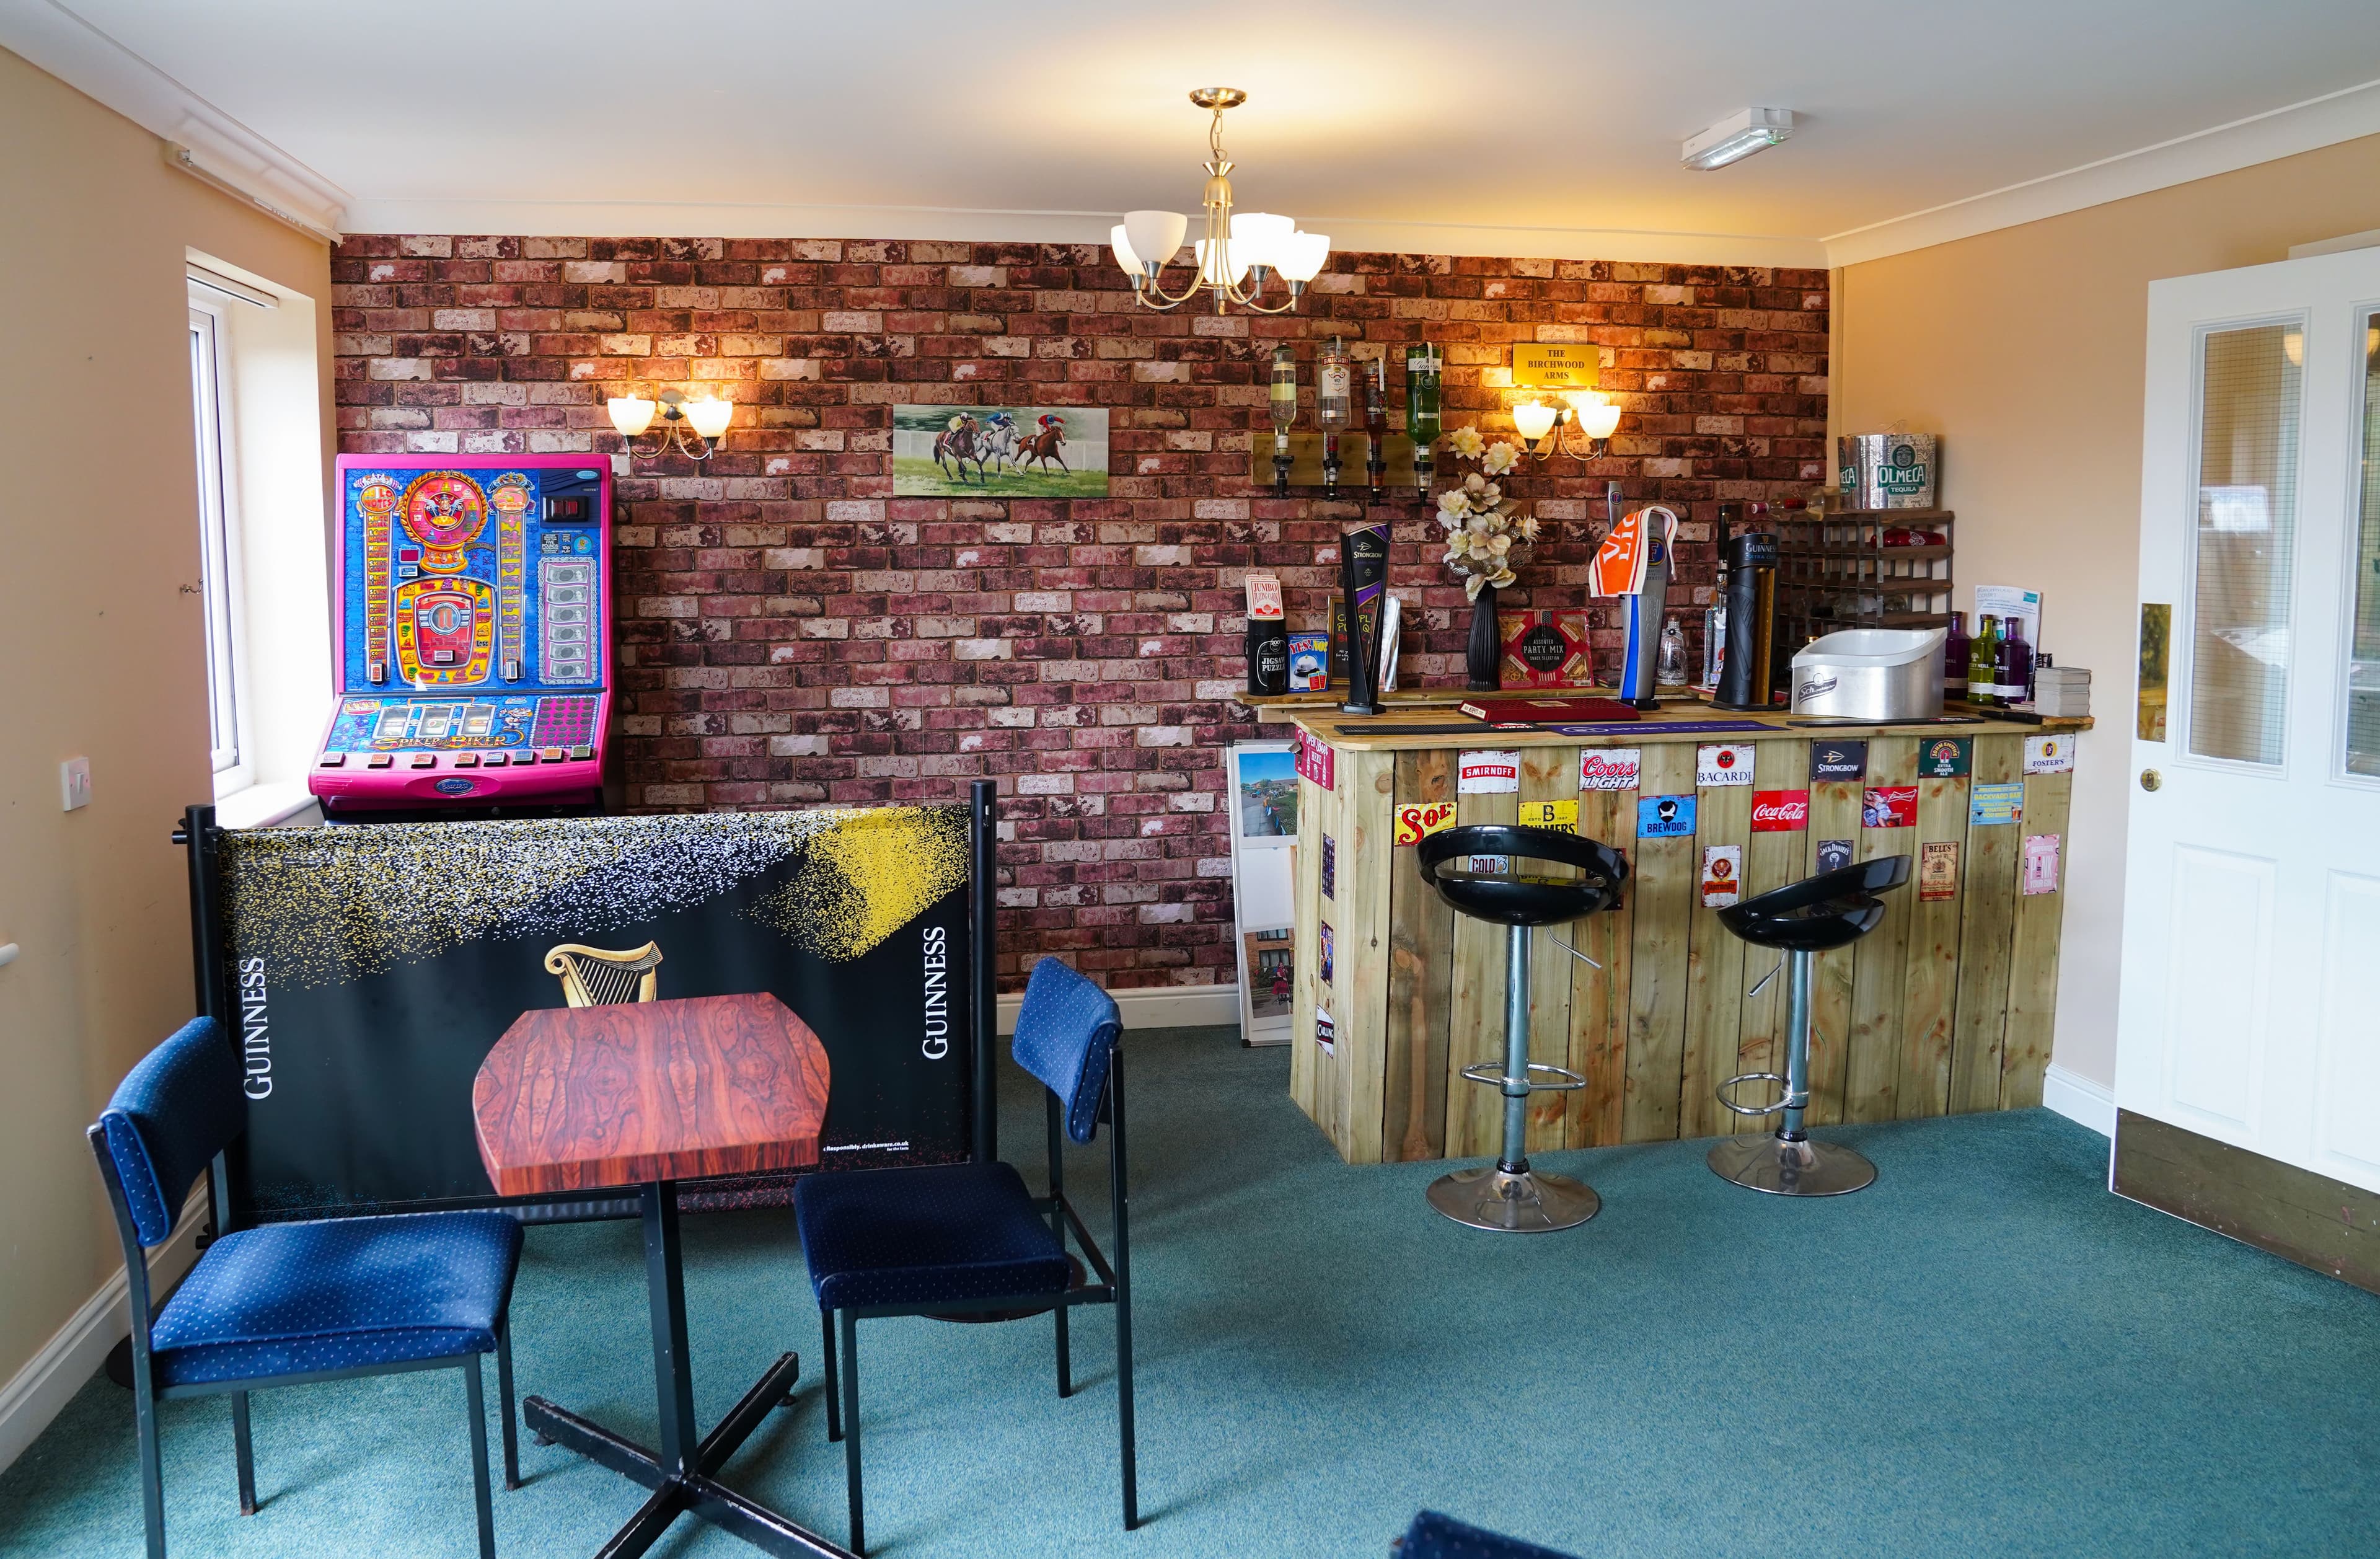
column 1735, row 138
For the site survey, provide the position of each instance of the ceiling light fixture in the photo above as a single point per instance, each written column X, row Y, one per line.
column 1735, row 138
column 1236, row 247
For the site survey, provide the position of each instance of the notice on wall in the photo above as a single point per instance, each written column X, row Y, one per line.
column 1610, row 768
column 1997, row 803
column 1723, row 763
column 1890, row 806
column 1665, row 817
column 2040, row 864
column 1781, row 811
column 1417, row 820
column 2006, row 601
column 1937, row 870
column 1722, row 875
column 1326, row 947
column 1317, row 760
column 2052, row 754
column 1329, row 867
column 1559, row 816
column 1838, row 761
column 1326, row 1034
column 1488, row 774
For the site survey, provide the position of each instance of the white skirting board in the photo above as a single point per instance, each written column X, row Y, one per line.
column 1155, row 1006
column 2079, row 1099
column 49, row 1380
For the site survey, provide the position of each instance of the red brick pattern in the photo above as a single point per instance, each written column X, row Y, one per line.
column 790, row 634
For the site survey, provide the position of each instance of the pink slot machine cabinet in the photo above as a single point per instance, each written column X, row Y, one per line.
column 475, row 633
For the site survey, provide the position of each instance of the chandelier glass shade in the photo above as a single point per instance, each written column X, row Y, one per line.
column 1237, row 254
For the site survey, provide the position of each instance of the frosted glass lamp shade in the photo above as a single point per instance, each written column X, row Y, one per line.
column 1258, row 237
column 1534, row 418
column 1301, row 256
column 631, row 414
column 1119, row 244
column 1596, row 416
column 1155, row 234
column 1210, row 267
column 709, row 416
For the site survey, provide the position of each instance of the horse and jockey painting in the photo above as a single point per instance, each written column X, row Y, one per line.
column 1000, row 451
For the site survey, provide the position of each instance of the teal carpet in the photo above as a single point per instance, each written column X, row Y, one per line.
column 1984, row 1352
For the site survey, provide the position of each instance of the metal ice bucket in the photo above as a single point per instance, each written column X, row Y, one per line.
column 1879, row 675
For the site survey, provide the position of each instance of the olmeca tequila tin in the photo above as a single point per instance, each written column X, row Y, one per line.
column 1888, row 471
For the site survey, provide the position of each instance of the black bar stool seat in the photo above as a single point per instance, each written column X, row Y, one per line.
column 1802, row 919
column 1511, row 1198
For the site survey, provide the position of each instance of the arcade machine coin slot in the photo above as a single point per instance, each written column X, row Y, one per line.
column 474, row 627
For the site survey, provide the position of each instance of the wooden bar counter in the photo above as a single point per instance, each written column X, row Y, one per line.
column 1946, row 1008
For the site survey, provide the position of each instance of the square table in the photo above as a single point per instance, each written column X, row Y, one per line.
column 645, row 1094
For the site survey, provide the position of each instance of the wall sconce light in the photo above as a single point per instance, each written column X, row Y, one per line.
column 693, row 428
column 1546, row 430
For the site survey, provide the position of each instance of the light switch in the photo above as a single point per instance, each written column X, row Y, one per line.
column 74, row 783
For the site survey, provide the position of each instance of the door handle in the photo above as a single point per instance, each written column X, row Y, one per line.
column 2151, row 779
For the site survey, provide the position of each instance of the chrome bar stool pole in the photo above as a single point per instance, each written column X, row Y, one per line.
column 1509, row 1197
column 1802, row 918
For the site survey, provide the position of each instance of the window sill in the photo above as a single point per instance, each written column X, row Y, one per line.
column 265, row 806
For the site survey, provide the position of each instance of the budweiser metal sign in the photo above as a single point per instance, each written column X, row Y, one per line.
column 1610, row 768
column 1781, row 811
column 1890, row 806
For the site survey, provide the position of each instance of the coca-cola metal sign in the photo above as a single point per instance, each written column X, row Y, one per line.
column 1610, row 768
column 1781, row 811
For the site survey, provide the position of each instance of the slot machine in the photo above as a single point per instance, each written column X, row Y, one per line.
column 474, row 598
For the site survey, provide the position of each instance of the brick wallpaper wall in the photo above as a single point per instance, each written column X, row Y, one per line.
column 790, row 634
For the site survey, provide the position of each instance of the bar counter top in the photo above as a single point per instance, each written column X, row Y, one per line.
column 1423, row 726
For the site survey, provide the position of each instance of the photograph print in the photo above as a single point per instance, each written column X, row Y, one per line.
column 1000, row 451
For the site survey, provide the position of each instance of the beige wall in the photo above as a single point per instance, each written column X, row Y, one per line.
column 101, row 640
column 2025, row 350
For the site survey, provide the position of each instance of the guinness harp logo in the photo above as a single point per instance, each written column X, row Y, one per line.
column 594, row 976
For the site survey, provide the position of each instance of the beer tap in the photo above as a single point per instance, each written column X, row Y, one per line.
column 1284, row 413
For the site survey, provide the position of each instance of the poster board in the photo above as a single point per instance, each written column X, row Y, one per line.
column 366, row 971
column 1263, row 790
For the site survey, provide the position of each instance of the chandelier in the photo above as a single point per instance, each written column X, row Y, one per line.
column 1238, row 253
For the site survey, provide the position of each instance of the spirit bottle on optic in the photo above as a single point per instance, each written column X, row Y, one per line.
column 1284, row 413
column 1422, row 370
column 1334, row 389
column 1375, row 422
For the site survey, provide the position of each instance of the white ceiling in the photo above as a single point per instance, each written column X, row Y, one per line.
column 1394, row 118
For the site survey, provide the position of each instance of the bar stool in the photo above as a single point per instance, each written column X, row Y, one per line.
column 1802, row 919
column 1512, row 1198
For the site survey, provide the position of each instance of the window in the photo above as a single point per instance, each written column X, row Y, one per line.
column 217, row 547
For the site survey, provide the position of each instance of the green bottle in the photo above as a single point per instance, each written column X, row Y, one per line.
column 1983, row 656
column 1423, row 367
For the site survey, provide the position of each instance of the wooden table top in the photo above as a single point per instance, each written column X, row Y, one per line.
column 582, row 1098
column 1672, row 721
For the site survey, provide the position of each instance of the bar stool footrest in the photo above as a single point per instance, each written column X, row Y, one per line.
column 1784, row 1099
column 1493, row 1072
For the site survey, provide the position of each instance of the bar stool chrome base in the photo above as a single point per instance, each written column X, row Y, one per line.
column 1790, row 1169
column 1528, row 1202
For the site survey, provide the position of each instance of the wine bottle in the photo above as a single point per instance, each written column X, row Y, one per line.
column 1954, row 658
column 2013, row 671
column 1982, row 664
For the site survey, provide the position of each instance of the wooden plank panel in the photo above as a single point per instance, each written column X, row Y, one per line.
column 1305, row 853
column 1421, row 973
column 1598, row 998
column 1931, row 986
column 1665, row 887
column 2296, row 1214
column 1365, row 853
column 1834, row 814
column 1714, row 971
column 1549, row 773
column 1770, row 861
column 1986, row 937
column 1871, row 1067
column 1326, row 993
column 1475, row 1112
column 2033, row 964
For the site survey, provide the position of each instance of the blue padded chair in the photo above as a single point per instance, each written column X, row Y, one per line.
column 1433, row 1536
column 286, row 1303
column 952, row 1238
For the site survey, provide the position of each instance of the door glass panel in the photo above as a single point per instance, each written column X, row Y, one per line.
column 2363, row 646
column 2247, row 536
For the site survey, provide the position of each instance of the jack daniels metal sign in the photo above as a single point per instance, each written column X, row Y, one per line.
column 370, row 970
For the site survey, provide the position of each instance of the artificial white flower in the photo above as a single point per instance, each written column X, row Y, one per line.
column 1452, row 504
column 1466, row 442
column 1504, row 580
column 1473, row 586
column 1491, row 496
column 1495, row 546
column 1527, row 526
column 1458, row 547
column 1499, row 459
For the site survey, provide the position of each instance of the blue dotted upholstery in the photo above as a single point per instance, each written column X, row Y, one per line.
column 170, row 1115
column 1433, row 1536
column 924, row 1236
column 286, row 1299
column 1063, row 1033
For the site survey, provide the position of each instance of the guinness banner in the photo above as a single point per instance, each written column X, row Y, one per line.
column 370, row 970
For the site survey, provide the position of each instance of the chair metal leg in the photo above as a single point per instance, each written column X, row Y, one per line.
column 152, row 1477
column 833, row 1391
column 1065, row 1360
column 850, row 1328
column 1787, row 1162
column 1123, row 1412
column 504, row 1397
column 244, row 1450
column 476, row 1401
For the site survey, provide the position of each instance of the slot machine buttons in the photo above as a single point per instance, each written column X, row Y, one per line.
column 380, row 760
column 496, row 760
column 582, row 753
column 376, row 672
column 332, row 761
column 550, row 755
column 425, row 759
column 467, row 760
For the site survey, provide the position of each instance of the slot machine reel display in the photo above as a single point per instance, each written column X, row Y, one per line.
column 474, row 631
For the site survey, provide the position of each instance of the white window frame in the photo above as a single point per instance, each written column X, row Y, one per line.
column 219, row 551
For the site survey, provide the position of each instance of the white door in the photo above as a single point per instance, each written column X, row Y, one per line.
column 2252, row 913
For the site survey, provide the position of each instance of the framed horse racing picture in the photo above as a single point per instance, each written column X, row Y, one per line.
column 1000, row 451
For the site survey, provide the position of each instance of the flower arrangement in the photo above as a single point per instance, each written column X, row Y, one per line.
column 1488, row 535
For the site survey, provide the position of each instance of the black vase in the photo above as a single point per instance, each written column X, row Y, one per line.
column 1483, row 656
